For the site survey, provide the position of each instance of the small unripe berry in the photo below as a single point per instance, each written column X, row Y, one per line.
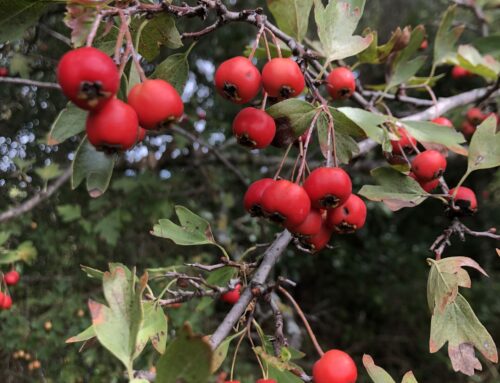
column 428, row 165
column 254, row 128
column 238, row 80
column 328, row 187
column 282, row 78
column 341, row 83
column 335, row 366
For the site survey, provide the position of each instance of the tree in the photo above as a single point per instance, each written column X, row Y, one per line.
column 384, row 131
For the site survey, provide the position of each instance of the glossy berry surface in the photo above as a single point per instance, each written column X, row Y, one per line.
column 252, row 200
column 465, row 199
column 286, row 202
column 238, row 80
column 406, row 142
column 427, row 186
column 328, row 187
column 335, row 366
column 443, row 121
column 341, row 83
column 114, row 127
column 318, row 241
column 6, row 302
column 232, row 296
column 88, row 77
column 458, row 72
column 349, row 217
column 11, row 278
column 254, row 128
column 282, row 78
column 310, row 226
column 428, row 165
column 155, row 102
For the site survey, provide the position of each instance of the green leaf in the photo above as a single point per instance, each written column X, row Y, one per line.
column 276, row 361
column 96, row 167
column 17, row 16
column 92, row 273
column 188, row 359
column 446, row 38
column 396, row 190
column 4, row 237
column 376, row 373
column 158, row 31
column 69, row 123
column 409, row 378
column 345, row 146
column 193, row 230
column 69, row 213
column 484, row 149
column 154, row 328
column 110, row 226
column 486, row 66
column 377, row 54
column 292, row 16
column 261, row 51
column 336, row 24
column 85, row 335
column 368, row 122
column 117, row 325
column 25, row 252
column 49, row 172
column 175, row 70
column 283, row 376
column 220, row 352
column 459, row 326
column 488, row 45
column 296, row 113
column 20, row 65
column 428, row 132
column 219, row 277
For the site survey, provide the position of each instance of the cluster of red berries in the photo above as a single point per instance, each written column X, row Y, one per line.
column 239, row 80
column 324, row 204
column 10, row 278
column 335, row 366
column 90, row 79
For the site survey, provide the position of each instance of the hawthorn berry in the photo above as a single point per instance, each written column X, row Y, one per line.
column 428, row 165
column 232, row 296
column 254, row 128
column 468, row 129
column 6, row 302
column 253, row 196
column 341, row 83
column 458, row 72
column 155, row 102
column 349, row 217
column 310, row 226
column 427, row 186
column 335, row 366
column 141, row 134
column 4, row 72
column 465, row 200
column 11, row 278
column 328, row 187
column 114, row 127
column 475, row 116
column 282, row 78
column 88, row 77
column 406, row 142
column 238, row 80
column 443, row 121
column 318, row 241
column 286, row 202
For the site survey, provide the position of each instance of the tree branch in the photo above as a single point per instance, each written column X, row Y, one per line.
column 24, row 81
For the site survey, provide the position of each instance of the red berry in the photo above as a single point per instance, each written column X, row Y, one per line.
column 141, row 135
column 6, row 302
column 465, row 199
column 155, row 102
column 253, row 196
column 254, row 128
column 443, row 121
column 282, row 78
column 428, row 165
column 475, row 116
column 335, row 366
column 318, row 241
column 11, row 277
column 458, row 72
column 4, row 72
column 328, row 187
column 427, row 186
column 88, row 77
column 405, row 142
column 238, row 80
column 468, row 129
column 286, row 202
column 311, row 225
column 497, row 117
column 349, row 217
column 2, row 297
column 113, row 127
column 232, row 296
column 424, row 45
column 341, row 83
